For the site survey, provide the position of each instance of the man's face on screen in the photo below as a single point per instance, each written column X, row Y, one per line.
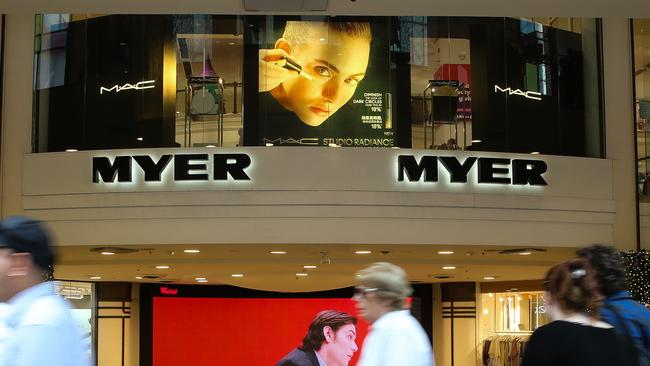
column 337, row 63
column 339, row 349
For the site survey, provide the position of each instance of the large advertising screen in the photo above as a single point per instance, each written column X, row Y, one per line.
column 249, row 331
column 325, row 82
column 187, row 325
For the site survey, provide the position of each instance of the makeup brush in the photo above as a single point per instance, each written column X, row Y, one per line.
column 290, row 64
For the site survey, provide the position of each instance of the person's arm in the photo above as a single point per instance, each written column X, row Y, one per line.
column 47, row 345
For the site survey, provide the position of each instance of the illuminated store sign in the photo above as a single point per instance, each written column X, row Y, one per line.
column 149, row 84
column 186, row 167
column 490, row 170
column 526, row 94
column 168, row 291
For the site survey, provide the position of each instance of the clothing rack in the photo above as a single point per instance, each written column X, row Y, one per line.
column 504, row 349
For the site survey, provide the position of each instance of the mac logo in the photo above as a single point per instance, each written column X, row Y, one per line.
column 149, row 84
column 292, row 141
column 526, row 94
column 168, row 291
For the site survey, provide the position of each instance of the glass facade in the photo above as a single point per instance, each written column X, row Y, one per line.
column 641, row 41
column 523, row 85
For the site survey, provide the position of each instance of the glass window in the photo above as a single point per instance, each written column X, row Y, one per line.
column 641, row 39
column 525, row 85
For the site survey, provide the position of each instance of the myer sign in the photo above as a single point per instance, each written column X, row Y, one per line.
column 489, row 170
column 235, row 166
column 186, row 167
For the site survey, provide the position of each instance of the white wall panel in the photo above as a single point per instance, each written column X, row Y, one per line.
column 320, row 195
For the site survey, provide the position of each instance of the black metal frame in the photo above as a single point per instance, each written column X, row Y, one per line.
column 126, row 310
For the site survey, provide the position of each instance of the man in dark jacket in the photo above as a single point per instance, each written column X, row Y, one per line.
column 607, row 263
column 329, row 342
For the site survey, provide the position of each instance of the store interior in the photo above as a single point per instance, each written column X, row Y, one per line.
column 476, row 294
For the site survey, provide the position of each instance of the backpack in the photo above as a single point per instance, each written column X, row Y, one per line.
column 638, row 354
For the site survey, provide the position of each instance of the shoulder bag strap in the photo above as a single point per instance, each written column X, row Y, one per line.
column 631, row 344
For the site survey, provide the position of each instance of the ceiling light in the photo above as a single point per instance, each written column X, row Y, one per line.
column 323, row 39
column 210, row 146
column 534, row 152
column 445, row 252
column 237, row 275
column 138, row 277
column 269, row 144
column 525, row 253
column 302, row 274
column 448, row 267
column 95, row 278
column 485, row 311
column 476, row 141
column 309, row 267
column 113, row 250
column 139, row 138
column 162, row 267
column 71, row 150
column 200, row 278
column 441, row 276
column 489, row 278
column 191, row 251
column 363, row 252
column 278, row 252
column 202, row 281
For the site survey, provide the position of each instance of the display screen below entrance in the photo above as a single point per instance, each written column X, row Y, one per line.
column 240, row 331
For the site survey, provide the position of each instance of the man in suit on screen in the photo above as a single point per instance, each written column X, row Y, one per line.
column 330, row 341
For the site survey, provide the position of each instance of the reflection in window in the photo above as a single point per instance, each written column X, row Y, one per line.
column 50, row 50
column 535, row 51
column 641, row 39
column 504, row 84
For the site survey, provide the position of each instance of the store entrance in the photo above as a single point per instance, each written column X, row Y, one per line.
column 465, row 295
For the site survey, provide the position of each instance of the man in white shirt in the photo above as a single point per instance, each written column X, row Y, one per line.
column 396, row 338
column 40, row 325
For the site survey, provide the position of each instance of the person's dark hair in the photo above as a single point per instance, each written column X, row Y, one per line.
column 574, row 286
column 608, row 264
column 26, row 235
column 332, row 318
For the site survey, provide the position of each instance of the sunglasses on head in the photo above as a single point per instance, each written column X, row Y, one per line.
column 363, row 291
